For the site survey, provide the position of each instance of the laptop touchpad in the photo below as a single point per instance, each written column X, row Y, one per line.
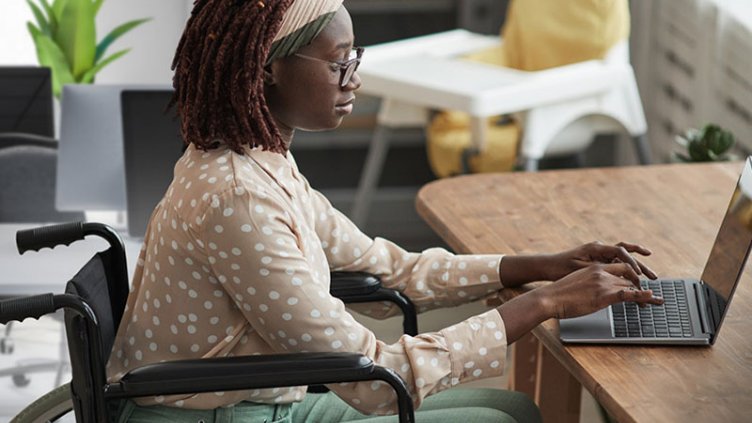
column 593, row 326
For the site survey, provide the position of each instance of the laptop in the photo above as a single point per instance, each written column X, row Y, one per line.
column 694, row 309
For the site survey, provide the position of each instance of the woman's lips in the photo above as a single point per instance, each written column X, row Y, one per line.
column 346, row 107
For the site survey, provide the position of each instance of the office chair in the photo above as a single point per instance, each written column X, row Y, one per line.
column 27, row 194
column 28, row 165
column 94, row 303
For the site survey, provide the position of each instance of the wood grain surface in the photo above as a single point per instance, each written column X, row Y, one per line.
column 675, row 210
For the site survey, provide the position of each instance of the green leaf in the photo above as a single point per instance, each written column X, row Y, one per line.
column 97, row 5
column 698, row 152
column 44, row 26
column 76, row 35
column 51, row 18
column 88, row 77
column 725, row 142
column 115, row 34
column 58, row 6
column 711, row 141
column 51, row 56
column 34, row 31
column 682, row 157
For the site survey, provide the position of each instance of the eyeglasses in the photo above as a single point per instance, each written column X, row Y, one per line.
column 346, row 68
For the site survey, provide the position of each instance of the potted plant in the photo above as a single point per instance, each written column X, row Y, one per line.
column 65, row 40
column 709, row 144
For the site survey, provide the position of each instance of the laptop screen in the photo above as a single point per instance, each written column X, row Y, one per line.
column 729, row 253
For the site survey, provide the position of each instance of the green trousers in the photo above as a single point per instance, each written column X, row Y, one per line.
column 454, row 405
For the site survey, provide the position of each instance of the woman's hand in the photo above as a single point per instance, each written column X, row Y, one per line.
column 594, row 287
column 581, row 292
column 517, row 270
column 557, row 266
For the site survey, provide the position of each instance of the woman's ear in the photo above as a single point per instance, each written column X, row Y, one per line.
column 268, row 73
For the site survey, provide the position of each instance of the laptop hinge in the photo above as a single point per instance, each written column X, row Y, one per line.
column 704, row 308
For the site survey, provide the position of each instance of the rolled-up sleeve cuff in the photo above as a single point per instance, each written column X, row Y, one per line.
column 477, row 347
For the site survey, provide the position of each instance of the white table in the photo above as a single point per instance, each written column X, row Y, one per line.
column 416, row 75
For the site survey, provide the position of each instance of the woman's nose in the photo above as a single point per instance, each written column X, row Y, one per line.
column 354, row 82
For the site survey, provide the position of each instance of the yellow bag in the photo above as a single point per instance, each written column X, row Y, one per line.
column 538, row 34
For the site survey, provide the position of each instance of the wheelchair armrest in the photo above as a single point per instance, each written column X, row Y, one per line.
column 248, row 372
column 359, row 287
column 255, row 372
column 349, row 284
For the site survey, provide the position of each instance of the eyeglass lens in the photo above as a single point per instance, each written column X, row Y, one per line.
column 352, row 66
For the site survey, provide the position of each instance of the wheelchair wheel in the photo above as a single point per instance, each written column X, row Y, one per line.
column 47, row 408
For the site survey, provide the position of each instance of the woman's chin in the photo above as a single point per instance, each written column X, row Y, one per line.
column 334, row 124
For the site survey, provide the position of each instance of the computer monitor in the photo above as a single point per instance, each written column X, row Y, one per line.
column 152, row 144
column 90, row 167
column 26, row 100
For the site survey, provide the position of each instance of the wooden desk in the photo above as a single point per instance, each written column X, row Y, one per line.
column 675, row 210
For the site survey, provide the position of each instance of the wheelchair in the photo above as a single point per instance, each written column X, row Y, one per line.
column 94, row 302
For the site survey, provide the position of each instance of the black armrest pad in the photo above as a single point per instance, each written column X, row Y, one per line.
column 247, row 372
column 347, row 284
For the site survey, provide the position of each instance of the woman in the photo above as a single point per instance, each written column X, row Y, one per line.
column 237, row 255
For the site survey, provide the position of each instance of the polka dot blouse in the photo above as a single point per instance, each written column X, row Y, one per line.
column 236, row 261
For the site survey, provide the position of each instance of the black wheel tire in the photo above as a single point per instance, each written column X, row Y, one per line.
column 49, row 407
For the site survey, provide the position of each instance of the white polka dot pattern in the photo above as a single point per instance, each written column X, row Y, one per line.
column 245, row 270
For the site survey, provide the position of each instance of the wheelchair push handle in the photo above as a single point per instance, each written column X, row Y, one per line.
column 67, row 233
column 21, row 308
column 49, row 236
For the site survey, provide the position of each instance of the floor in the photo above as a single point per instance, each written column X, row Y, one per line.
column 38, row 341
column 34, row 341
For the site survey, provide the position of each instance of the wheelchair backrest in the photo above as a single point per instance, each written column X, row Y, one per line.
column 90, row 342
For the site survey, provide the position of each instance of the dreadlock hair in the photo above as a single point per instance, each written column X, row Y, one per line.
column 218, row 80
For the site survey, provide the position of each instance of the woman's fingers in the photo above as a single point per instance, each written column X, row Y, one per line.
column 634, row 248
column 647, row 271
column 624, row 270
column 638, row 296
column 608, row 283
column 634, row 292
column 622, row 252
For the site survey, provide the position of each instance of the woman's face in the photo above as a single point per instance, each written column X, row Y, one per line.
column 306, row 94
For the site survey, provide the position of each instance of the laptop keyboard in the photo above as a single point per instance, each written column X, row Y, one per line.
column 670, row 320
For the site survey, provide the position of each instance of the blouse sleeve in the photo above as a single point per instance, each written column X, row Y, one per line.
column 267, row 269
column 431, row 279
